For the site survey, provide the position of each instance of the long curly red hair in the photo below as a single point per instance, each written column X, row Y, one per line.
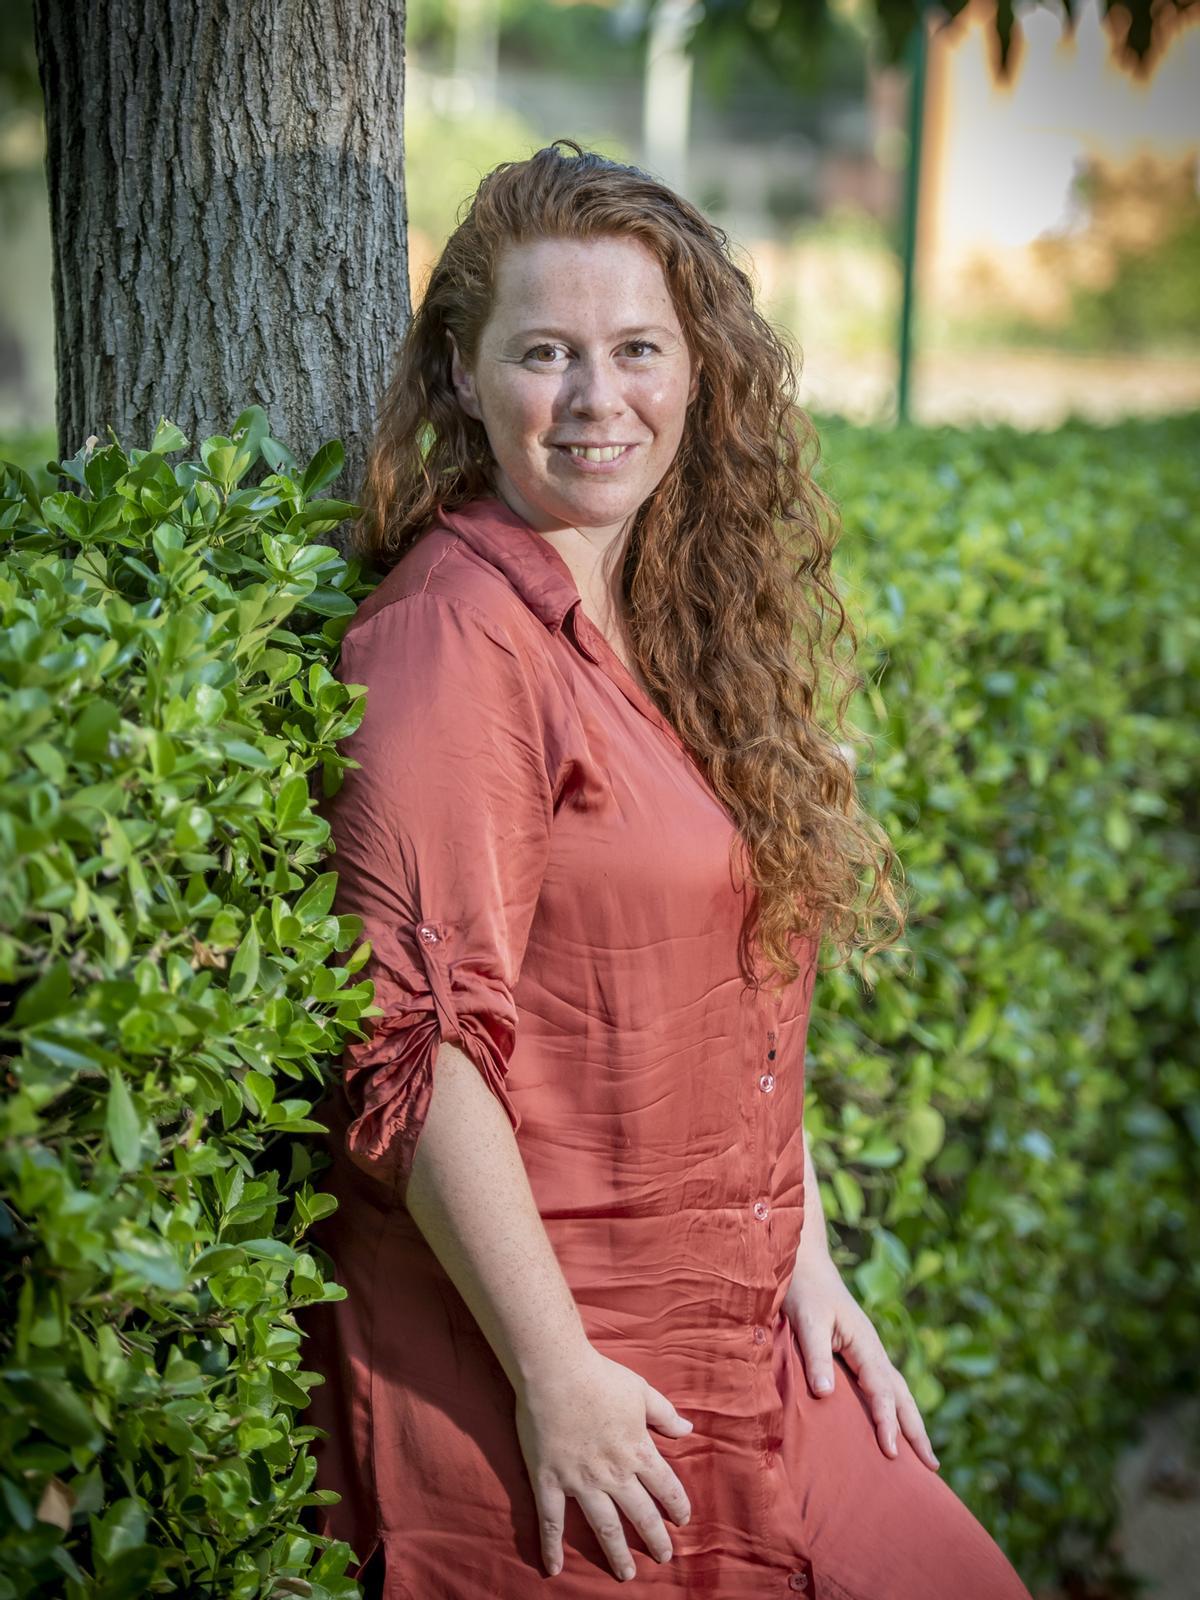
column 733, row 613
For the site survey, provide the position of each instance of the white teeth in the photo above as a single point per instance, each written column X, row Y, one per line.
column 608, row 453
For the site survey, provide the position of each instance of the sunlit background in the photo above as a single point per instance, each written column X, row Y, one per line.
column 1058, row 247
column 1057, row 263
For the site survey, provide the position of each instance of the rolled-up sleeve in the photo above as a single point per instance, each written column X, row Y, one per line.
column 440, row 838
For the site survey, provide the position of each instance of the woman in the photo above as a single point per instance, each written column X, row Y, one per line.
column 586, row 1336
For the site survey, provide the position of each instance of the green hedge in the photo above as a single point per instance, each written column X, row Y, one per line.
column 167, row 1010
column 1010, row 1122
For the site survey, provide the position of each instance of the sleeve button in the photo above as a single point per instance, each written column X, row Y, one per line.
column 798, row 1580
column 428, row 934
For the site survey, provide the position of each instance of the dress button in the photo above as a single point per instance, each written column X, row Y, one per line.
column 760, row 1336
column 798, row 1580
column 767, row 1082
column 428, row 934
column 761, row 1208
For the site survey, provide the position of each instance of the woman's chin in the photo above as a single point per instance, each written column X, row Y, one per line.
column 588, row 505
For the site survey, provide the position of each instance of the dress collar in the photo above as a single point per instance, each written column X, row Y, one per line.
column 530, row 563
column 542, row 578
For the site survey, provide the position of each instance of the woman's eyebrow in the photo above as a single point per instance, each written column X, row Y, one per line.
column 560, row 333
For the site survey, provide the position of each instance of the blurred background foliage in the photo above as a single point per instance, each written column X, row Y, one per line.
column 1144, row 226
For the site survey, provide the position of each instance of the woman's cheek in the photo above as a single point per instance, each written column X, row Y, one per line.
column 665, row 396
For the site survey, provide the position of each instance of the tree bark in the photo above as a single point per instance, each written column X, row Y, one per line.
column 228, row 216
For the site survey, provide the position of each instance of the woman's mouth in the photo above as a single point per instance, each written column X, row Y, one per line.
column 595, row 458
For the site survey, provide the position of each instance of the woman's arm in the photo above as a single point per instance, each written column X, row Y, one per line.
column 826, row 1318
column 814, row 1235
column 469, row 1195
column 581, row 1418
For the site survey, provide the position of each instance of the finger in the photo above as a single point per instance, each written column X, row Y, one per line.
column 660, row 1479
column 646, row 1518
column 914, row 1428
column 661, row 1413
column 875, row 1381
column 552, row 1506
column 815, row 1342
column 605, row 1519
column 889, row 1397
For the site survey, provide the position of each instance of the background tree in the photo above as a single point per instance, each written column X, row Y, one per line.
column 227, row 210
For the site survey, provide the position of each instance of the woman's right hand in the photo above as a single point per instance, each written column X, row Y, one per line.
column 583, row 1433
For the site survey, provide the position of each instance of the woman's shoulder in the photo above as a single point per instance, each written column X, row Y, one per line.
column 441, row 576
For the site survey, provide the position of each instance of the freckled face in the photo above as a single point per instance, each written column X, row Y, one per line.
column 583, row 347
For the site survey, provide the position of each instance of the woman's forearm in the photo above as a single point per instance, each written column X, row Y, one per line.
column 814, row 1235
column 469, row 1195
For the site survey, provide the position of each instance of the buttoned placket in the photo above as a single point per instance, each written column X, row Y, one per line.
column 766, row 1086
column 797, row 1575
column 764, row 1148
column 598, row 650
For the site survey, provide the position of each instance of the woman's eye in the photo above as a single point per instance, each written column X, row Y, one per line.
column 543, row 355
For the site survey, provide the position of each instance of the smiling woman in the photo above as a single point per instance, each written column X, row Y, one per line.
column 592, row 815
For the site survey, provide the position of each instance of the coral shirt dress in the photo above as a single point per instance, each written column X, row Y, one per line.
column 547, row 881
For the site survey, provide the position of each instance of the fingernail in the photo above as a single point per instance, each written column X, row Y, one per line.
column 553, row 1566
column 688, row 1425
column 823, row 1385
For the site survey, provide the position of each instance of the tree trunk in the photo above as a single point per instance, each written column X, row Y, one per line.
column 228, row 216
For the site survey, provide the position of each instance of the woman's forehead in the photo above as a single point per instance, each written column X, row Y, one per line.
column 611, row 279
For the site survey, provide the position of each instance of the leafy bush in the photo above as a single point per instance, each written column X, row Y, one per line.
column 166, row 1008
column 1008, row 1125
column 1011, row 1124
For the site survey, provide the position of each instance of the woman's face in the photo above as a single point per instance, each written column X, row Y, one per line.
column 583, row 349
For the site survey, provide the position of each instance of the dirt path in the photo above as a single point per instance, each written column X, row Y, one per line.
column 1158, row 1484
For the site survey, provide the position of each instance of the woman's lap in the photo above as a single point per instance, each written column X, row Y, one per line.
column 865, row 1526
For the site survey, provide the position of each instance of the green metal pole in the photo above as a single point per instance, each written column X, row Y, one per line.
column 912, row 199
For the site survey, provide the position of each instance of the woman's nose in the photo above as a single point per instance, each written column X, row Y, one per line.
column 595, row 391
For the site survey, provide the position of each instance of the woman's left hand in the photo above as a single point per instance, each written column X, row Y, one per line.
column 826, row 1317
